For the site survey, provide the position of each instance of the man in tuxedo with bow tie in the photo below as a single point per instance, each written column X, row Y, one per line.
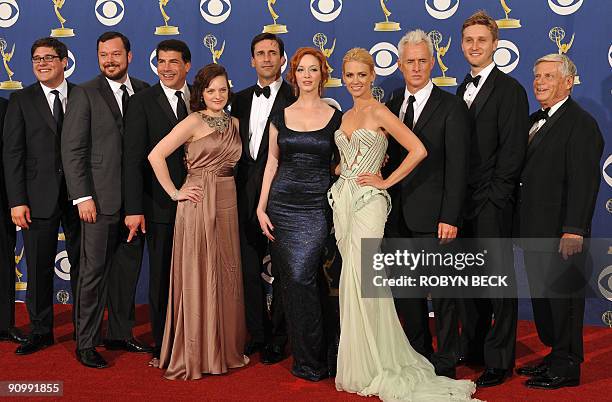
column 499, row 111
column 36, row 184
column 91, row 153
column 556, row 198
column 428, row 202
column 252, row 106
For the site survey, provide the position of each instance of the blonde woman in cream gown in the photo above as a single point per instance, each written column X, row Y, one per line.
column 374, row 356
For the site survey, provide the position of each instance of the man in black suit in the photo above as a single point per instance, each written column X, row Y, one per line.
column 114, row 57
column 499, row 111
column 148, row 209
column 428, row 202
column 35, row 183
column 91, row 154
column 8, row 332
column 556, row 198
column 252, row 106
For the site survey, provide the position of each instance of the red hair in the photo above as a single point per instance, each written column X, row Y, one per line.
column 295, row 60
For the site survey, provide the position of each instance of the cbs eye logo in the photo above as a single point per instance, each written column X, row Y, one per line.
column 503, row 56
column 215, row 11
column 109, row 12
column 325, row 10
column 71, row 65
column 606, row 176
column 385, row 58
column 62, row 266
column 153, row 57
column 605, row 282
column 9, row 13
column 284, row 66
column 610, row 55
column 565, row 7
column 442, row 9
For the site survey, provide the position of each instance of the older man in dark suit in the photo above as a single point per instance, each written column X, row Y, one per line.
column 556, row 199
column 36, row 186
column 91, row 153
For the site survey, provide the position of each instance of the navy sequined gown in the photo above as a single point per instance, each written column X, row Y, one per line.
column 301, row 216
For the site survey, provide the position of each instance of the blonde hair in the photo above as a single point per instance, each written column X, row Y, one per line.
column 566, row 67
column 360, row 55
column 414, row 38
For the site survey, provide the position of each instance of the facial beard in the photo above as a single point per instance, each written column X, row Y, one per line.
column 116, row 75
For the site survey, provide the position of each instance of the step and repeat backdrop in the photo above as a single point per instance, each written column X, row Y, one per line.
column 220, row 31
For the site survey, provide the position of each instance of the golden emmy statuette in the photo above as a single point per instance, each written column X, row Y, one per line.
column 274, row 28
column 19, row 285
column 320, row 40
column 378, row 93
column 165, row 29
column 443, row 81
column 607, row 318
column 557, row 34
column 6, row 57
column 386, row 25
column 507, row 22
column 210, row 41
column 62, row 32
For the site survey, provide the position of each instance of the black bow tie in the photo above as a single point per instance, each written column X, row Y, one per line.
column 540, row 115
column 265, row 91
column 474, row 80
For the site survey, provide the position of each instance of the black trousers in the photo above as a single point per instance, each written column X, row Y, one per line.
column 483, row 339
column 415, row 313
column 122, row 283
column 7, row 271
column 262, row 328
column 159, row 243
column 98, row 244
column 558, row 290
column 40, row 244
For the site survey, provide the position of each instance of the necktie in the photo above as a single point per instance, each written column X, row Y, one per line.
column 541, row 114
column 125, row 97
column 474, row 80
column 58, row 111
column 181, row 107
column 409, row 116
column 536, row 117
column 265, row 91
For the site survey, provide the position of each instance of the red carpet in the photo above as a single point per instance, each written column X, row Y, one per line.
column 129, row 377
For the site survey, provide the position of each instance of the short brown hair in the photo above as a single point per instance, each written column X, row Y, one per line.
column 202, row 81
column 482, row 18
column 295, row 60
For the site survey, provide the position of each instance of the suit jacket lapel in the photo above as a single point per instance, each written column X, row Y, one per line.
column 111, row 101
column 41, row 104
column 395, row 103
column 280, row 102
column 484, row 93
column 428, row 110
column 539, row 136
column 163, row 102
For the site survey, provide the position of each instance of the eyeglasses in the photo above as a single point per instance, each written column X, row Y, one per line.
column 48, row 58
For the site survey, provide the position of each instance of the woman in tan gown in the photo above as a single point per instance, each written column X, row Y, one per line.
column 205, row 328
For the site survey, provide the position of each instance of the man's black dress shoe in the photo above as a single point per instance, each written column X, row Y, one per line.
column 129, row 345
column 492, row 377
column 309, row 374
column 35, row 343
column 91, row 358
column 549, row 381
column 253, row 347
column 532, row 371
column 272, row 354
column 13, row 335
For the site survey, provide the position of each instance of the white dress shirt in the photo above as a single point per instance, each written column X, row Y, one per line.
column 421, row 97
column 260, row 110
column 173, row 99
column 471, row 90
column 63, row 94
column 118, row 92
column 538, row 124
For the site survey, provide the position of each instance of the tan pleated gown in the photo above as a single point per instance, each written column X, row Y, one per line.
column 205, row 324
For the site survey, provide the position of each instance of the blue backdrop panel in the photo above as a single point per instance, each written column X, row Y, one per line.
column 345, row 24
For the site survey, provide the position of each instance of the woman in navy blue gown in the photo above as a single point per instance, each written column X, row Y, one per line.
column 293, row 210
